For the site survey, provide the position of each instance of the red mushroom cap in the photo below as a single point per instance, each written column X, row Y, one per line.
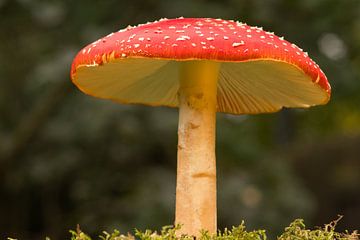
column 260, row 72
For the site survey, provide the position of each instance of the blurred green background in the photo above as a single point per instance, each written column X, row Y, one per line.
column 67, row 158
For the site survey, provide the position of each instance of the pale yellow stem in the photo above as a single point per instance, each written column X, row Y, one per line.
column 196, row 170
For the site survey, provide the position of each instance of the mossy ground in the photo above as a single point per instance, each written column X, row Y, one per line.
column 295, row 231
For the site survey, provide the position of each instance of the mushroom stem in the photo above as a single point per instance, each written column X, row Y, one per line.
column 196, row 169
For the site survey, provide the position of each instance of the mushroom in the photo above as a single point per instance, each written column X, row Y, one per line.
column 202, row 66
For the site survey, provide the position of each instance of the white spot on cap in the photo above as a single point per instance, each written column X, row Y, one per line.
column 166, row 37
column 249, row 36
column 226, row 37
column 123, row 55
column 183, row 38
column 193, row 44
column 210, row 39
column 180, row 31
column 136, row 45
column 141, row 39
column 203, row 43
column 262, row 37
column 237, row 44
column 172, row 27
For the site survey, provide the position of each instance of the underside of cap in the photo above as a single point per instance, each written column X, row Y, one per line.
column 248, row 87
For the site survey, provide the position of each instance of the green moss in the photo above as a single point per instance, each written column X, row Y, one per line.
column 296, row 231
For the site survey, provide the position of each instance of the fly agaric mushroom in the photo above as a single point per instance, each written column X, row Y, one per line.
column 202, row 66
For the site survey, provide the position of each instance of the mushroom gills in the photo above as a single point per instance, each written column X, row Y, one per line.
column 248, row 87
column 265, row 86
column 133, row 80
